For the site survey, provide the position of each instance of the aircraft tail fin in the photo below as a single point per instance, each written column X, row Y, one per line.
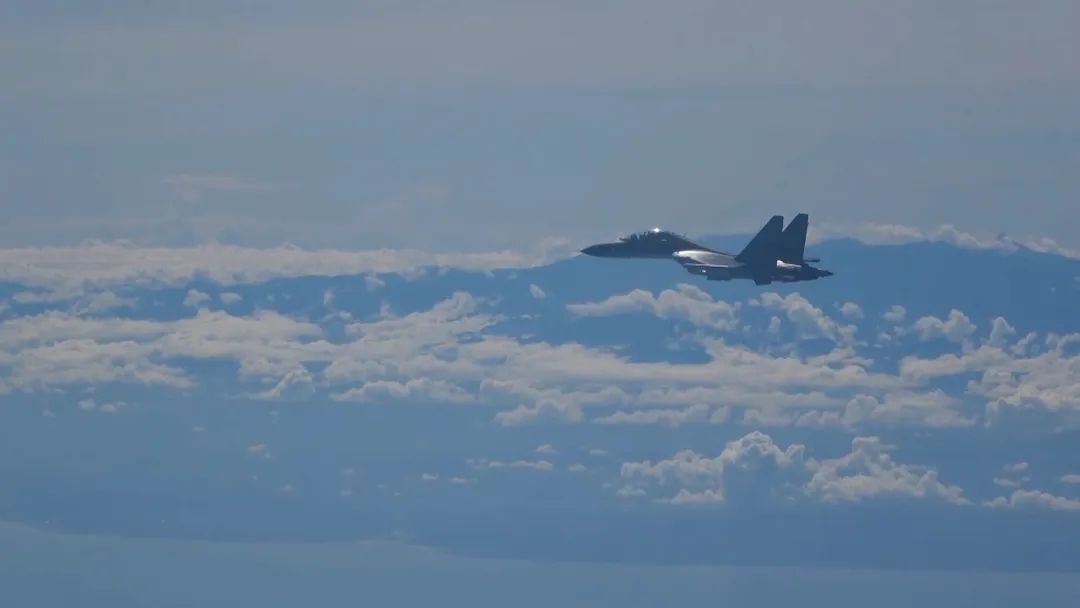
column 762, row 249
column 793, row 240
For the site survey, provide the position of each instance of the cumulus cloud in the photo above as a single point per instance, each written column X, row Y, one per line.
column 1048, row 380
column 445, row 353
column 851, row 311
column 373, row 282
column 809, row 320
column 685, row 302
column 537, row 292
column 667, row 417
column 703, row 479
column 869, row 471
column 453, row 352
column 1034, row 499
column 524, row 414
column 1071, row 478
column 195, row 298
column 896, row 314
column 899, row 408
column 229, row 298
column 102, row 301
column 956, row 328
column 1001, row 332
column 755, row 468
column 546, row 448
column 417, row 389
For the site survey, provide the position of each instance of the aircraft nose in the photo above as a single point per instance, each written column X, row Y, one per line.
column 597, row 250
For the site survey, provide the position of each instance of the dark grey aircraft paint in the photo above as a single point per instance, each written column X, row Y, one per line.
column 774, row 254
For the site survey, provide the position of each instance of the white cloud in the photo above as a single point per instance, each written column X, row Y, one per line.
column 900, row 408
column 666, row 417
column 895, row 234
column 294, row 384
column 809, row 320
column 630, row 492
column 1005, row 482
column 851, row 311
column 1018, row 467
column 535, row 465
column 1001, row 332
column 537, row 292
column 524, row 414
column 448, row 353
column 417, row 389
column 702, row 478
column 195, row 298
column 1070, row 478
column 98, row 264
column 685, row 302
column 229, row 298
column 1034, row 499
column 870, row 472
column 373, row 282
column 102, row 301
column 81, row 361
column 957, row 328
column 1048, row 380
column 867, row 472
column 577, row 468
column 546, row 449
column 896, row 314
column 260, row 449
column 429, row 477
column 441, row 354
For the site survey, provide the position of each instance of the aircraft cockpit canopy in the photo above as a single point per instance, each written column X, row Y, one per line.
column 648, row 235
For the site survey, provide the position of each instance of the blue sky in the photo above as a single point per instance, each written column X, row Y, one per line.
column 284, row 275
column 497, row 124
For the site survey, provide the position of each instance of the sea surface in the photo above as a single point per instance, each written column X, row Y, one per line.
column 41, row 569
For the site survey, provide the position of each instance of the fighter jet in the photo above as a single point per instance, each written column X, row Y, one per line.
column 772, row 255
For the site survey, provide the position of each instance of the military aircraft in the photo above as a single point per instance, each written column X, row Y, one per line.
column 774, row 254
